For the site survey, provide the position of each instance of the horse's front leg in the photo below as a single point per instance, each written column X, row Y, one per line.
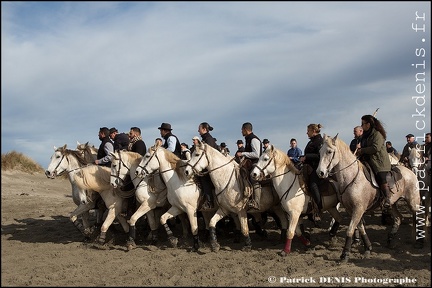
column 171, row 213
column 293, row 229
column 355, row 219
column 212, row 229
column 242, row 216
column 141, row 211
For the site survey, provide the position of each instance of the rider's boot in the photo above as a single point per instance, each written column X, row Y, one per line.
column 387, row 194
column 254, row 202
column 316, row 196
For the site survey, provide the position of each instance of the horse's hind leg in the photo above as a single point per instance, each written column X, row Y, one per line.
column 366, row 242
column 355, row 220
column 397, row 217
column 212, row 228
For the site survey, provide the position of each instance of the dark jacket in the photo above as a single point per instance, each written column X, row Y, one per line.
column 207, row 138
column 353, row 144
column 101, row 150
column 177, row 150
column 248, row 145
column 374, row 151
column 139, row 147
column 311, row 152
column 121, row 142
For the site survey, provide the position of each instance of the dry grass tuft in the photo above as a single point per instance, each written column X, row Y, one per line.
column 17, row 161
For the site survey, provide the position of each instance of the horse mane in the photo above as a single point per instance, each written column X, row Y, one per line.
column 341, row 146
column 177, row 164
column 77, row 154
column 94, row 177
column 134, row 156
column 282, row 159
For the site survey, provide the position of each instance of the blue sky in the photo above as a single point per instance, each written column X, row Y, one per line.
column 69, row 68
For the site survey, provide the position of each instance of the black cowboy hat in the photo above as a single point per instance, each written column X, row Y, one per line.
column 265, row 141
column 165, row 126
column 409, row 135
column 239, row 141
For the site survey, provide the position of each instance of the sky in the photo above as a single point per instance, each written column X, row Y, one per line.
column 69, row 68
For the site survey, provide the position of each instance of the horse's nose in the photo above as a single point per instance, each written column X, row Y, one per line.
column 321, row 174
column 187, row 172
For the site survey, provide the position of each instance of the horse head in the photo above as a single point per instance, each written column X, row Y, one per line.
column 149, row 162
column 329, row 156
column 199, row 161
column 57, row 166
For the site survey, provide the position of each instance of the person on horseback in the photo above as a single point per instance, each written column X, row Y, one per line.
column 120, row 140
column 106, row 146
column 251, row 154
column 312, row 157
column 354, row 145
column 240, row 148
column 207, row 185
column 136, row 143
column 171, row 142
column 411, row 143
column 374, row 152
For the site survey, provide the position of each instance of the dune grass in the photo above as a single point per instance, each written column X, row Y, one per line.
column 17, row 161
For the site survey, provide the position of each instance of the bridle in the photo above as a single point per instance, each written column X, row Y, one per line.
column 121, row 162
column 330, row 174
column 144, row 168
column 200, row 173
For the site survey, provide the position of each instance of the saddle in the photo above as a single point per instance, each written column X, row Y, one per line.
column 326, row 186
column 392, row 180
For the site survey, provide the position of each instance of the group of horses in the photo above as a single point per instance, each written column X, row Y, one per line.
column 161, row 179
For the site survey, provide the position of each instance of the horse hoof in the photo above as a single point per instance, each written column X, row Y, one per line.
column 367, row 254
column 283, row 253
column 130, row 245
column 215, row 247
column 173, row 241
column 247, row 248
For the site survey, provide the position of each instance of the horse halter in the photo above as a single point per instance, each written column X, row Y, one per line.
column 265, row 167
column 119, row 169
column 199, row 173
column 144, row 168
column 65, row 170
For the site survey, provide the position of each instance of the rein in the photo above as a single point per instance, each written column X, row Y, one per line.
column 334, row 173
column 200, row 173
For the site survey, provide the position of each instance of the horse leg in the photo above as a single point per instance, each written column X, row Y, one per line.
column 366, row 242
column 293, row 229
column 185, row 224
column 171, row 213
column 193, row 220
column 212, row 229
column 84, row 227
column 283, row 221
column 397, row 217
column 355, row 219
column 258, row 223
column 334, row 212
column 114, row 205
column 242, row 216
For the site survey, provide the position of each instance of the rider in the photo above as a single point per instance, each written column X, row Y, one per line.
column 374, row 152
column 136, row 143
column 312, row 158
column 121, row 140
column 171, row 141
column 252, row 152
column 411, row 143
column 204, row 129
column 106, row 146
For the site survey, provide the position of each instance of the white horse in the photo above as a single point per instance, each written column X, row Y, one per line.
column 358, row 194
column 69, row 161
column 286, row 179
column 151, row 192
column 419, row 165
column 183, row 193
column 230, row 191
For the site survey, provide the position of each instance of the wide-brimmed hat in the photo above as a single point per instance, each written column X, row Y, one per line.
column 265, row 141
column 409, row 135
column 239, row 141
column 112, row 130
column 165, row 126
column 223, row 145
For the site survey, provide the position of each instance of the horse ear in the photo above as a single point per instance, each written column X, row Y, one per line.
column 334, row 139
column 55, row 148
column 64, row 147
column 78, row 143
column 87, row 143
